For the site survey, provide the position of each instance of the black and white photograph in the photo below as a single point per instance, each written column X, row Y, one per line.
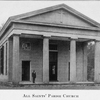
column 50, row 50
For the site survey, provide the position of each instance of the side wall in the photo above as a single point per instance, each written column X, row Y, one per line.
column 5, row 71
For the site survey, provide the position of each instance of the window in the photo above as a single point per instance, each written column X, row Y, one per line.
column 68, row 71
column 2, row 60
column 53, row 47
column 26, row 46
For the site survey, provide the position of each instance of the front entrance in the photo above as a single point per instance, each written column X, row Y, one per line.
column 25, row 70
column 53, row 66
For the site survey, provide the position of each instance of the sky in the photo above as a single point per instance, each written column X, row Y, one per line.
column 11, row 8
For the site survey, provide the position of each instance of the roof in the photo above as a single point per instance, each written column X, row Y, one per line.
column 52, row 8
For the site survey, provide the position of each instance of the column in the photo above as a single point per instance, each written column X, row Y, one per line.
column 46, row 60
column 5, row 59
column 8, row 58
column 73, row 60
column 97, row 62
column 16, row 66
column 0, row 60
column 85, row 61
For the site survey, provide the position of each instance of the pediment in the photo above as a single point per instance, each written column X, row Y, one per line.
column 59, row 16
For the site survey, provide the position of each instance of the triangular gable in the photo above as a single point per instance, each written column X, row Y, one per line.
column 85, row 21
column 60, row 14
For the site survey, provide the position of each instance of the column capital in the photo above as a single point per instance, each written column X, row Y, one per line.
column 16, row 34
column 97, row 40
column 46, row 36
column 74, row 38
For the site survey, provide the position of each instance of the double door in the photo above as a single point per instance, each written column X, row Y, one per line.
column 53, row 66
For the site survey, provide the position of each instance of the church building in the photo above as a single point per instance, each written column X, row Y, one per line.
column 53, row 42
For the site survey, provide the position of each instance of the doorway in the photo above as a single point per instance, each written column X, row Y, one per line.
column 53, row 66
column 25, row 70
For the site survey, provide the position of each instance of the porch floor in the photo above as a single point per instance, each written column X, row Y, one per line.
column 51, row 86
column 57, row 83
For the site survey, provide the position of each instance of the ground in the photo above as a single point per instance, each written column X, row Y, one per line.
column 51, row 86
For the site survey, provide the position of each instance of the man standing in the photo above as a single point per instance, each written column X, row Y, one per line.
column 33, row 75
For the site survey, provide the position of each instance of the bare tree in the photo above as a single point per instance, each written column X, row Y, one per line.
column 1, row 26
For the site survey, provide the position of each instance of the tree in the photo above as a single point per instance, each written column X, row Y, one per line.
column 1, row 26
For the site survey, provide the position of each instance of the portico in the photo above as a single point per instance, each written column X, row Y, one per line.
column 71, row 58
column 54, row 46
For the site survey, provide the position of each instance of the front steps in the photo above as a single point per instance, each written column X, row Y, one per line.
column 59, row 83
